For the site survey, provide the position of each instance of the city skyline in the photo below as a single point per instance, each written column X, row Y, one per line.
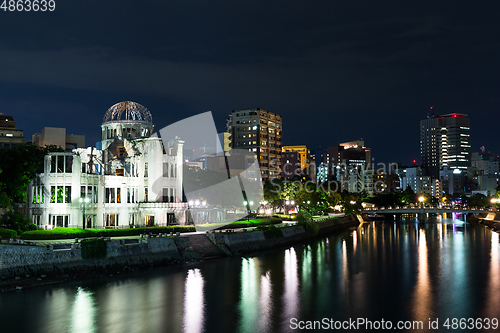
column 335, row 72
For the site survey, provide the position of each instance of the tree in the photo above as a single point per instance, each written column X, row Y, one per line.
column 478, row 200
column 409, row 195
column 289, row 190
column 4, row 199
column 19, row 166
column 17, row 221
column 272, row 191
column 351, row 204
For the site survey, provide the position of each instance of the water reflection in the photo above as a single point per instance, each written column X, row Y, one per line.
column 83, row 313
column 492, row 307
column 265, row 302
column 406, row 270
column 249, row 295
column 256, row 296
column 193, row 302
column 422, row 296
column 291, row 288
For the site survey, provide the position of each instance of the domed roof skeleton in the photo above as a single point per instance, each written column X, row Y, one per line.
column 128, row 111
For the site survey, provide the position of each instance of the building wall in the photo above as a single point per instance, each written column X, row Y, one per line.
column 445, row 142
column 291, row 164
column 58, row 137
column 10, row 136
column 260, row 132
column 137, row 185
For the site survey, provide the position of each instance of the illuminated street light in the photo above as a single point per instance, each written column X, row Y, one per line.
column 494, row 201
column 421, row 199
column 84, row 203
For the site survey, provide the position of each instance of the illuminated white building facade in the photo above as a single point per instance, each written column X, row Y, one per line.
column 133, row 180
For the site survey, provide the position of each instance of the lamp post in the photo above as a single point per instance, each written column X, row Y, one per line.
column 195, row 204
column 248, row 205
column 421, row 199
column 84, row 203
column 190, row 213
column 494, row 201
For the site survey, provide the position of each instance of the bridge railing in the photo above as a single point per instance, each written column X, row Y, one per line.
column 447, row 208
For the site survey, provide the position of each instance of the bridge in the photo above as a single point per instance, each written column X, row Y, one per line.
column 427, row 210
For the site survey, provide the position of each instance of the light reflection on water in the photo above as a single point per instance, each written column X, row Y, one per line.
column 291, row 293
column 396, row 271
column 194, row 304
column 83, row 314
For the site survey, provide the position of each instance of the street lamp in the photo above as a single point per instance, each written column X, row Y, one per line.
column 287, row 204
column 84, row 203
column 190, row 213
column 421, row 199
column 494, row 201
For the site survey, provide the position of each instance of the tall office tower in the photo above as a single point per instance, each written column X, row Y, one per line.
column 445, row 142
column 258, row 131
column 353, row 154
column 348, row 163
column 10, row 136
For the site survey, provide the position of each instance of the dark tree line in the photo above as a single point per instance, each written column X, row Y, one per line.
column 18, row 166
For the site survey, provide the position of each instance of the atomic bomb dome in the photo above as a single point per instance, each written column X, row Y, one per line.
column 128, row 112
column 128, row 180
column 126, row 120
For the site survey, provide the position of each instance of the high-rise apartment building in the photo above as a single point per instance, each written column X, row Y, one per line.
column 10, row 136
column 445, row 142
column 258, row 131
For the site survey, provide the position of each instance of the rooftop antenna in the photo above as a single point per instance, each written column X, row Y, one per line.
column 431, row 114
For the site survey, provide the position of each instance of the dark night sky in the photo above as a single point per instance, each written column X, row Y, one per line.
column 335, row 70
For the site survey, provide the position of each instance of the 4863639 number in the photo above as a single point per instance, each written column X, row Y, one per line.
column 28, row 5
column 471, row 323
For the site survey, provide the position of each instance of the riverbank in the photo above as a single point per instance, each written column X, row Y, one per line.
column 491, row 220
column 24, row 266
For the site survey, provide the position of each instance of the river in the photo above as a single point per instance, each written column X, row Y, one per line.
column 402, row 272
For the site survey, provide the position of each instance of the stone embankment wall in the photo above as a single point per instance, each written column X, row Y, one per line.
column 22, row 259
column 240, row 243
column 35, row 260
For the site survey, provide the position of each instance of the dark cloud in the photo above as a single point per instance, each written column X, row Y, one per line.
column 336, row 71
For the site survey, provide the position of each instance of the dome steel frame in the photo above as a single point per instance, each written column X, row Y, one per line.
column 128, row 112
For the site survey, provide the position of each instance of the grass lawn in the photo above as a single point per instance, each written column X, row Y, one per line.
column 240, row 224
column 68, row 233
